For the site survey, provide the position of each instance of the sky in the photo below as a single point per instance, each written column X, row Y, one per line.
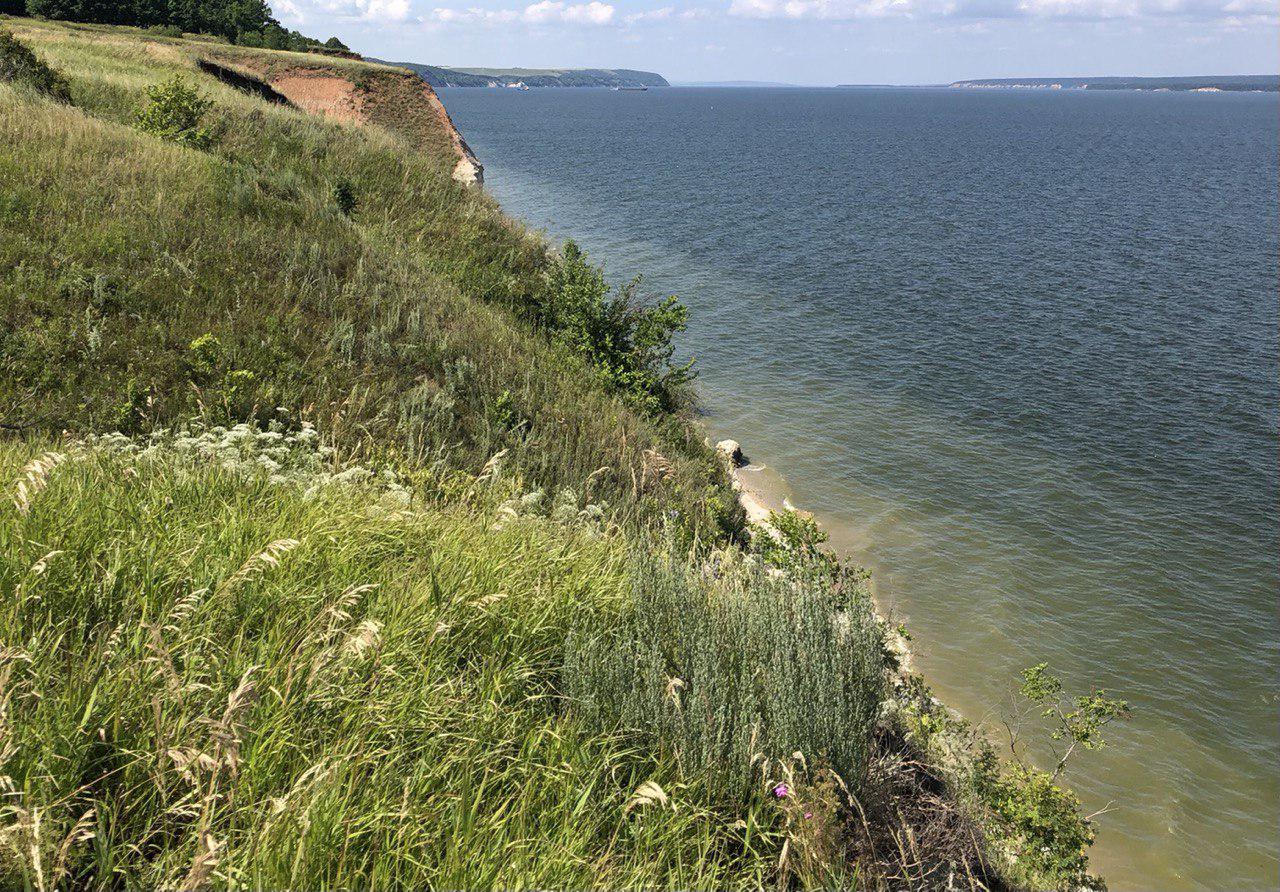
column 812, row 41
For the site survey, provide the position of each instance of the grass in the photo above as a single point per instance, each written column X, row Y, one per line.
column 732, row 666
column 303, row 685
column 400, row 331
column 325, row 563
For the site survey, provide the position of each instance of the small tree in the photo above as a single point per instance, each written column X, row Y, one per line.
column 1077, row 721
column 629, row 345
column 174, row 112
column 19, row 65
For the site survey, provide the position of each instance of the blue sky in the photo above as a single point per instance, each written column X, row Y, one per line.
column 813, row 41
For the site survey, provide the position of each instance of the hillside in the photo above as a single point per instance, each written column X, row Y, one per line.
column 534, row 77
column 1225, row 83
column 354, row 537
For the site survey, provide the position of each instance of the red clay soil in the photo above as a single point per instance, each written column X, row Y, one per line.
column 321, row 94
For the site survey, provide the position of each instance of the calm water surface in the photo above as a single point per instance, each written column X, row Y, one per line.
column 1019, row 352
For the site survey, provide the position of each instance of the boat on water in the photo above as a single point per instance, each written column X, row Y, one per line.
column 630, row 89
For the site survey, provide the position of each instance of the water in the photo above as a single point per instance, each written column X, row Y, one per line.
column 1019, row 352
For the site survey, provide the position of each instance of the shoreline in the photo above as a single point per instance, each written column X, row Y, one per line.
column 761, row 490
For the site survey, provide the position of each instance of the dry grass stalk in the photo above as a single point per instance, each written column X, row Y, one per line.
column 35, row 477
column 648, row 793
column 202, row 865
column 259, row 563
column 81, row 831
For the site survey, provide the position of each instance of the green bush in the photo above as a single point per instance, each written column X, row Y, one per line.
column 344, row 196
column 723, row 671
column 1038, row 826
column 796, row 543
column 628, row 345
column 174, row 112
column 19, row 65
column 165, row 30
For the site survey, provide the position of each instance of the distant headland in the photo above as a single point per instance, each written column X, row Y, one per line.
column 518, row 78
column 1235, row 83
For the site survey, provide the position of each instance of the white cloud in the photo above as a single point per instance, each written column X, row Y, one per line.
column 447, row 16
column 593, row 13
column 544, row 12
column 367, row 10
column 288, row 11
column 384, row 10
column 662, row 13
column 833, row 9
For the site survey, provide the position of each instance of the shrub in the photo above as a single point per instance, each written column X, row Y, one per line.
column 19, row 65
column 1038, row 827
column 204, row 356
column 721, row 672
column 1077, row 721
column 165, row 30
column 174, row 112
column 796, row 543
column 344, row 196
column 628, row 345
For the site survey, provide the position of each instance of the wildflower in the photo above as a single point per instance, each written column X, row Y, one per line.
column 808, row 815
column 782, row 791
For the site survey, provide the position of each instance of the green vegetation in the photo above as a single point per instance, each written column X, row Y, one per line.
column 174, row 112
column 401, row 331
column 353, row 537
column 627, row 345
column 226, row 671
column 20, row 66
column 247, row 22
column 726, row 665
column 1078, row 723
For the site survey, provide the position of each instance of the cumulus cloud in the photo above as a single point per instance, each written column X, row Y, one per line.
column 593, row 13
column 544, row 12
column 833, row 9
column 366, row 10
column 289, row 11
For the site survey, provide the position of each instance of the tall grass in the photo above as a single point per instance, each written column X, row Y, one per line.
column 725, row 669
column 208, row 677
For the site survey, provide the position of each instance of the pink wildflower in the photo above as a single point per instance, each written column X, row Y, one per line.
column 782, row 791
column 808, row 815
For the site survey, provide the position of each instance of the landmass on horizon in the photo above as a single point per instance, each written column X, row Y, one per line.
column 1234, row 83
column 438, row 76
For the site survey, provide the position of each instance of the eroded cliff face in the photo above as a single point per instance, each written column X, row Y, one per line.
column 359, row 93
column 468, row 170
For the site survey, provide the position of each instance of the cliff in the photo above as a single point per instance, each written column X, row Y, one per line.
column 352, row 536
column 353, row 91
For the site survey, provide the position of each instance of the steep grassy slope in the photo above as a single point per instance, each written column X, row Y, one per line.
column 396, row 329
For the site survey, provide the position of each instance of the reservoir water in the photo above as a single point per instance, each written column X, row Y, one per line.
column 1018, row 351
